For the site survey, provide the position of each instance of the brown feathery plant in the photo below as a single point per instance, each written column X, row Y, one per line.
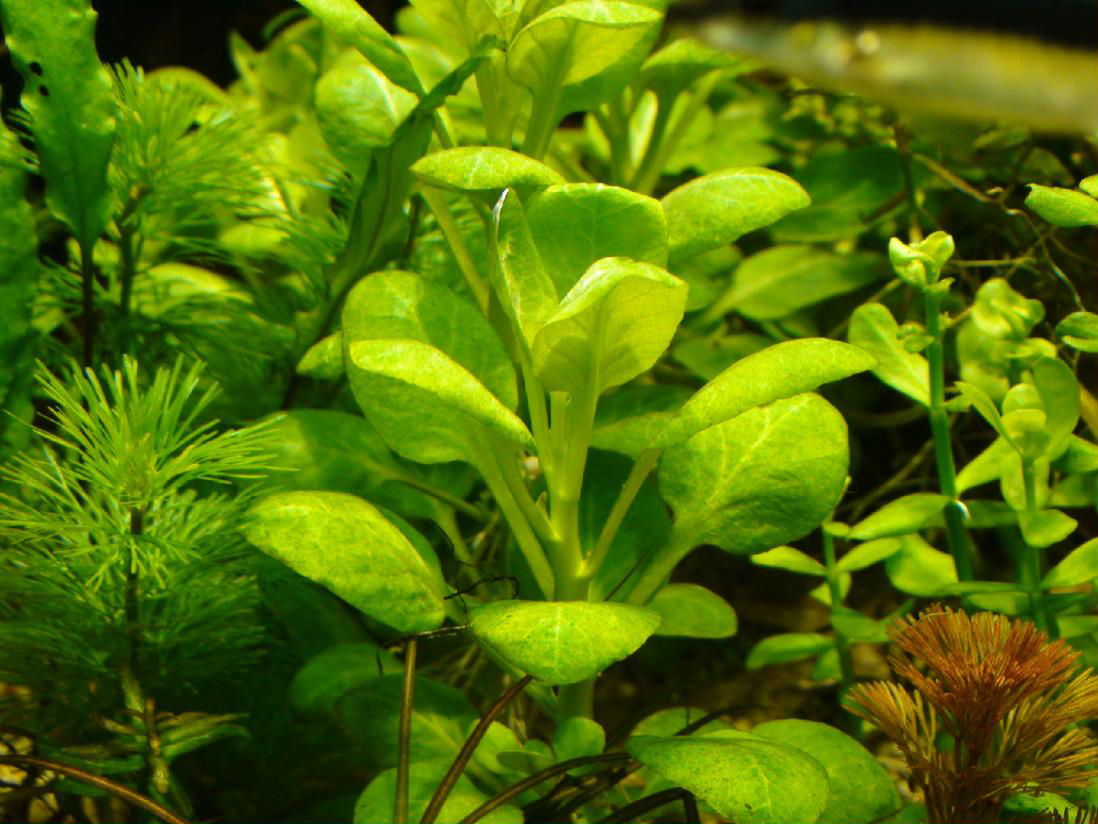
column 1011, row 700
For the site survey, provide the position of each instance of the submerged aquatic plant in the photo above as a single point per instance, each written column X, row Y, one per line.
column 1010, row 700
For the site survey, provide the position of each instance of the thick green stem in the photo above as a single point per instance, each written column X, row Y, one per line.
column 519, row 524
column 659, row 151
column 1029, row 570
column 642, row 466
column 543, row 118
column 842, row 646
column 959, row 544
column 437, row 201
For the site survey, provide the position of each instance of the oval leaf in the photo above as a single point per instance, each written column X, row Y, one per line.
column 787, row 647
column 576, row 224
column 1062, row 207
column 375, row 805
column 404, row 305
column 345, row 544
column 357, row 110
column 762, row 479
column 862, row 791
column 614, row 324
column 573, row 42
column 562, row 642
column 1080, row 566
column 692, row 611
column 920, row 569
column 427, row 407
column 482, row 169
column 899, row 517
column 716, row 209
column 780, row 371
column 747, row 779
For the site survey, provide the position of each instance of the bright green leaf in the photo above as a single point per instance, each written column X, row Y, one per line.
column 1080, row 566
column 919, row 569
column 1059, row 391
column 1045, row 527
column 523, row 286
column 873, row 328
column 357, row 110
column 345, row 544
column 745, row 778
column 578, row 737
column 324, row 359
column 396, row 304
column 764, row 478
column 692, row 611
column 375, row 805
column 1079, row 330
column 426, row 406
column 482, row 169
column 353, row 24
column 900, row 516
column 716, row 209
column 575, row 41
column 1062, row 207
column 575, row 224
column 612, row 326
column 791, row 560
column 562, row 642
column 780, row 371
column 868, row 554
column 854, row 626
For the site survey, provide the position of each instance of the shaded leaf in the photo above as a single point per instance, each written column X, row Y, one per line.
column 745, row 778
column 692, row 611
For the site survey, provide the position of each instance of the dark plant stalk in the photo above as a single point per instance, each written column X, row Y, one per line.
column 404, row 738
column 650, row 802
column 444, row 788
column 87, row 290
column 532, row 781
column 100, row 783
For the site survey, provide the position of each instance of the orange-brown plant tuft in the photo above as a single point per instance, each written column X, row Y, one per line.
column 1010, row 699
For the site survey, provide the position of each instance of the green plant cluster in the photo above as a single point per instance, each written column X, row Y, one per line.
column 360, row 416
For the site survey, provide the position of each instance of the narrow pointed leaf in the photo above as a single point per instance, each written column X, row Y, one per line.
column 716, row 209
column 562, row 642
column 613, row 325
column 345, row 544
column 524, row 288
column 745, row 778
column 353, row 24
